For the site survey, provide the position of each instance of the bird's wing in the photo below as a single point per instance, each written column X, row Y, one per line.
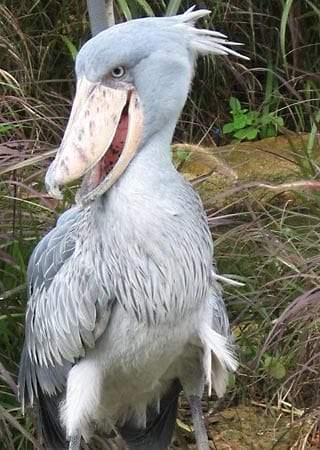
column 67, row 309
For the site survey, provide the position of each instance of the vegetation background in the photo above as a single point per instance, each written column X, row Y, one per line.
column 270, row 244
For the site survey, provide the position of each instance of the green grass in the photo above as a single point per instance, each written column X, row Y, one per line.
column 276, row 252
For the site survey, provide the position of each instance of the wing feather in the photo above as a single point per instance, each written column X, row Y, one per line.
column 67, row 309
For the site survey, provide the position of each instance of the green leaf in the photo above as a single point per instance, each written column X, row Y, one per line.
column 276, row 120
column 252, row 133
column 125, row 9
column 228, row 128
column 6, row 127
column 315, row 9
column 235, row 105
column 231, row 380
column 270, row 131
column 251, row 117
column 274, row 367
column 146, row 6
column 241, row 134
column 239, row 121
column 182, row 155
column 283, row 27
column 70, row 46
column 266, row 119
column 249, row 134
column 277, row 370
column 173, row 7
column 312, row 140
column 267, row 361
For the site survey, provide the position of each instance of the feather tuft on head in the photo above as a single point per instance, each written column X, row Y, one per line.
column 205, row 41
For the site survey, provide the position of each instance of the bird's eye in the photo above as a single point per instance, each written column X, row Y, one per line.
column 118, row 72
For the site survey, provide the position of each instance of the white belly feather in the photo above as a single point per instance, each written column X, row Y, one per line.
column 133, row 364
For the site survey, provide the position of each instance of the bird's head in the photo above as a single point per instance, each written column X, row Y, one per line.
column 132, row 81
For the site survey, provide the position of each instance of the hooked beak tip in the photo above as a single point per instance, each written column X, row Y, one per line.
column 54, row 191
column 51, row 186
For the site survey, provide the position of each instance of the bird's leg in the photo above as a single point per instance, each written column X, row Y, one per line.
column 75, row 440
column 192, row 379
column 198, row 422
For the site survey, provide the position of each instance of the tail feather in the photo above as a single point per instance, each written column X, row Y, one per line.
column 43, row 388
column 50, row 427
column 159, row 429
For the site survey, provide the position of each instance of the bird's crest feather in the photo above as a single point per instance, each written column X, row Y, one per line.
column 204, row 41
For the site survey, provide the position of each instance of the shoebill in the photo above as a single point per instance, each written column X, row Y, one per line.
column 124, row 308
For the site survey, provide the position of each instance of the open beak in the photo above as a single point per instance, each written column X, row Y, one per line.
column 101, row 138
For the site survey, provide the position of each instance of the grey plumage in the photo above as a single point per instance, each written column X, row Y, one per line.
column 123, row 303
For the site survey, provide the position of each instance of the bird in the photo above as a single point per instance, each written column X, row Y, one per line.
column 125, row 308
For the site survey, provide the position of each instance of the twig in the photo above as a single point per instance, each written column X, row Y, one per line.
column 29, row 161
column 291, row 186
column 292, row 410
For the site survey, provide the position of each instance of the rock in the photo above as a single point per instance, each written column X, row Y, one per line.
column 220, row 171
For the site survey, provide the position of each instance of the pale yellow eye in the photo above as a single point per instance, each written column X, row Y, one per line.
column 118, row 72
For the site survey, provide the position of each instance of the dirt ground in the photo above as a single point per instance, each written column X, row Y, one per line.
column 251, row 428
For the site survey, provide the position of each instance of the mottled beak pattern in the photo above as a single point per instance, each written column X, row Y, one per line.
column 101, row 138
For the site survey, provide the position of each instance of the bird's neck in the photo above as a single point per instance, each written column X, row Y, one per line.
column 150, row 240
column 150, row 168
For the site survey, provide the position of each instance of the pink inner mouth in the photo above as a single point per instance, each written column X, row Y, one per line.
column 112, row 155
column 104, row 166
